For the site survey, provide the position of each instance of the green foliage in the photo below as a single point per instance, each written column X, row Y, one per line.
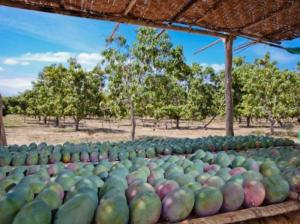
column 268, row 92
column 61, row 91
column 151, row 78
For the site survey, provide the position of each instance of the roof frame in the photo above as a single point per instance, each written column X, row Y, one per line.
column 214, row 7
column 281, row 31
column 284, row 6
column 205, row 28
column 183, row 9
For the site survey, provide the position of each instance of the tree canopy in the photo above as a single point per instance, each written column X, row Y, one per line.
column 151, row 78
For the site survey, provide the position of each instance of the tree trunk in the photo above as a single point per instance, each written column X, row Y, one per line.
column 240, row 119
column 177, row 122
column 211, row 120
column 272, row 126
column 133, row 121
column 228, row 87
column 40, row 118
column 45, row 120
column 109, row 124
column 280, row 123
column 248, row 121
column 154, row 124
column 143, row 122
column 3, row 140
column 76, row 124
column 56, row 121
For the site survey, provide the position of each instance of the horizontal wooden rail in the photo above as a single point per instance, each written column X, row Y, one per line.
column 246, row 214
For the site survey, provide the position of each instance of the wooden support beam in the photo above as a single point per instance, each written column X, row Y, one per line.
column 245, row 45
column 257, row 214
column 188, row 4
column 183, row 9
column 110, row 39
column 129, row 7
column 284, row 6
column 228, row 87
column 208, row 46
column 127, row 10
column 160, row 33
column 2, row 130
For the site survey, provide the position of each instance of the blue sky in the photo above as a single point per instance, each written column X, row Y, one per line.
column 30, row 40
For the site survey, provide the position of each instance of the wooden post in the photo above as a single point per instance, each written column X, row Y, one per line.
column 2, row 131
column 228, row 87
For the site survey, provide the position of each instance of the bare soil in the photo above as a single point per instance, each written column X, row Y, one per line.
column 24, row 130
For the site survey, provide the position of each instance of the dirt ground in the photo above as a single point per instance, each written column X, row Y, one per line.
column 20, row 130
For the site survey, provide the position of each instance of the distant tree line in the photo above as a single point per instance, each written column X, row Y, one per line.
column 151, row 78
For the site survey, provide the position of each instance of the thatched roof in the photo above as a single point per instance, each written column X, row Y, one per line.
column 267, row 20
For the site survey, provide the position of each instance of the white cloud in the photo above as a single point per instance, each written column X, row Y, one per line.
column 10, row 61
column 14, row 85
column 89, row 59
column 53, row 57
column 58, row 57
column 279, row 55
column 216, row 67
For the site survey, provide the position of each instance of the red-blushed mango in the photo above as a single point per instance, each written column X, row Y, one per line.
column 145, row 208
column 202, row 178
column 214, row 181
column 84, row 157
column 252, row 175
column 57, row 188
column 224, row 173
column 184, row 179
column 136, row 188
column 66, row 179
column 222, row 159
column 233, row 196
column 66, row 157
column 208, row 201
column 237, row 170
column 112, row 209
column 152, row 165
column 251, row 164
column 194, row 186
column 212, row 168
column 72, row 166
column 269, row 168
column 154, row 175
column 238, row 161
column 52, row 169
column 277, row 189
column 293, row 177
column 178, row 204
column 165, row 188
column 94, row 157
column 254, row 193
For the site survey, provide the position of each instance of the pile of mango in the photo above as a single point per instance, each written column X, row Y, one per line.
column 43, row 153
column 143, row 190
